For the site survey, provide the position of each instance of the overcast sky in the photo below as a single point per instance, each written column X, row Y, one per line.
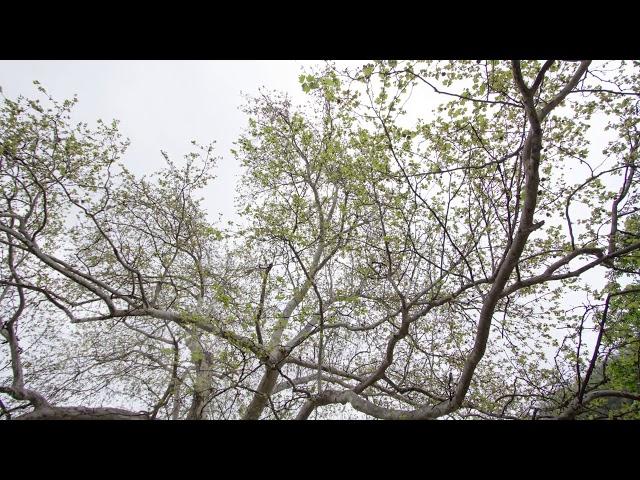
column 162, row 105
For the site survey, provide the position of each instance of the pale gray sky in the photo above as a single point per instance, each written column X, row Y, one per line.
column 162, row 104
column 166, row 104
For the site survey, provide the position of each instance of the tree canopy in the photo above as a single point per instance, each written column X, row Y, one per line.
column 418, row 240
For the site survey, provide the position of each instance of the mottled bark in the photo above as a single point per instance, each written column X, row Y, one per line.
column 82, row 413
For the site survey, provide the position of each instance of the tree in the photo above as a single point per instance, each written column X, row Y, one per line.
column 610, row 385
column 387, row 266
